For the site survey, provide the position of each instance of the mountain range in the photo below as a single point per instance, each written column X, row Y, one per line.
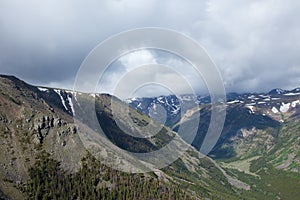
column 44, row 157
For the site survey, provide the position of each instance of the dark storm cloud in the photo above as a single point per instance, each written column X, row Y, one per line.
column 255, row 44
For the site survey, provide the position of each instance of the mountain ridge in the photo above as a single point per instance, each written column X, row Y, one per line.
column 33, row 121
column 36, row 119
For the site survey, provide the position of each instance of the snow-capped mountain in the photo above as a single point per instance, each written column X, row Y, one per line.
column 171, row 105
column 277, row 91
column 257, row 111
column 277, row 103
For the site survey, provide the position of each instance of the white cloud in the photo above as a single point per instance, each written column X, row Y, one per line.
column 158, row 67
column 137, row 58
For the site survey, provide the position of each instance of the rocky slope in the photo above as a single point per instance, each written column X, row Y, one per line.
column 37, row 125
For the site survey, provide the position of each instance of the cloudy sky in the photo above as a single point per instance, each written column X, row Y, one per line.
column 254, row 43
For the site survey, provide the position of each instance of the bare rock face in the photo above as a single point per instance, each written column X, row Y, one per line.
column 57, row 122
column 28, row 124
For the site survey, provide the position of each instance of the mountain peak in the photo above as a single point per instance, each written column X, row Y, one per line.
column 277, row 91
column 296, row 89
column 10, row 77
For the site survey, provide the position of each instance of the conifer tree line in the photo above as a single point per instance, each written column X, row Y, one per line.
column 94, row 181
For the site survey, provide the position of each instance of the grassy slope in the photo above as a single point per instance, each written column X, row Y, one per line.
column 260, row 169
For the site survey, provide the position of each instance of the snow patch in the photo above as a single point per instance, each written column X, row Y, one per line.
column 275, row 110
column 71, row 104
column 261, row 102
column 42, row 89
column 139, row 105
column 160, row 99
column 131, row 100
column 285, row 107
column 62, row 99
column 291, row 94
column 232, row 102
column 294, row 103
column 175, row 111
column 75, row 97
column 251, row 108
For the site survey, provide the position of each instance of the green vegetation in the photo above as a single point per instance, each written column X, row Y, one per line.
column 94, row 181
column 275, row 169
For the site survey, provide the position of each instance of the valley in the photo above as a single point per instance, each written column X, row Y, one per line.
column 43, row 155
